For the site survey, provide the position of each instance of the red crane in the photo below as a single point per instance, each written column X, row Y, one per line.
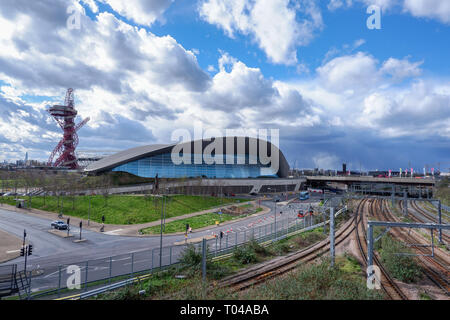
column 65, row 116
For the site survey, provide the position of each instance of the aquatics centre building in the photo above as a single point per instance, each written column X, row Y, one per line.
column 215, row 158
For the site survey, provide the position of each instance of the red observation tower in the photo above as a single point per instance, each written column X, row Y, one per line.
column 65, row 150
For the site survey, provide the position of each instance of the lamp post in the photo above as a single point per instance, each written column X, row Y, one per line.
column 275, row 209
column 160, row 240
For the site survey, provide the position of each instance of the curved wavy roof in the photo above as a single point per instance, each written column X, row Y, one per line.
column 132, row 154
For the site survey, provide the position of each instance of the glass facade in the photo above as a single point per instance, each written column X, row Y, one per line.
column 163, row 165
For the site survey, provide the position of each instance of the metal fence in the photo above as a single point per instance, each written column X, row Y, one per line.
column 122, row 269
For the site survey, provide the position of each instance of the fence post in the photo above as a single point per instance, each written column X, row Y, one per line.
column 59, row 280
column 216, row 248
column 132, row 265
column 440, row 220
column 370, row 247
column 152, row 260
column 110, row 269
column 204, row 260
column 86, row 275
column 227, row 242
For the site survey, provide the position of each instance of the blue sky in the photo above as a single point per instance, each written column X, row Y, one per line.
column 337, row 91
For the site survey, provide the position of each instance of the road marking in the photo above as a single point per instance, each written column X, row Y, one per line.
column 12, row 251
column 112, row 232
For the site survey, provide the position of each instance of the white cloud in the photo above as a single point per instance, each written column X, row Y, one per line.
column 144, row 12
column 349, row 72
column 434, row 9
column 265, row 21
column 400, row 69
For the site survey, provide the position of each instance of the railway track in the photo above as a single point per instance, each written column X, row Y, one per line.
column 435, row 268
column 278, row 266
column 388, row 284
column 429, row 218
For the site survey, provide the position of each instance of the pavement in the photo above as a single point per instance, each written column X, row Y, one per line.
column 9, row 246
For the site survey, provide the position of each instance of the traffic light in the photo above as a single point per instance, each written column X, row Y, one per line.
column 30, row 249
column 22, row 251
column 103, row 218
column 221, row 234
column 187, row 226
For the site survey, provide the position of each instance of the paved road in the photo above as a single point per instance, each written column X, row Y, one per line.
column 50, row 251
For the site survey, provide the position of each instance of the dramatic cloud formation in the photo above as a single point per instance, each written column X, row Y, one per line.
column 138, row 87
column 265, row 21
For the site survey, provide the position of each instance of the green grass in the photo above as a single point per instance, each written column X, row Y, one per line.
column 204, row 220
column 317, row 282
column 401, row 267
column 197, row 222
column 120, row 209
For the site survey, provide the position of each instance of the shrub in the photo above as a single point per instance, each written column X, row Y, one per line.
column 191, row 258
column 257, row 248
column 245, row 254
column 402, row 267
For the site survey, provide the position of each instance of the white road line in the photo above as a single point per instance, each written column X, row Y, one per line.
column 113, row 231
column 12, row 251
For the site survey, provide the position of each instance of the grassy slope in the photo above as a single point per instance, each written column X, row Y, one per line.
column 204, row 220
column 126, row 209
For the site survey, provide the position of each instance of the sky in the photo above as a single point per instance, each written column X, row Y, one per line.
column 337, row 90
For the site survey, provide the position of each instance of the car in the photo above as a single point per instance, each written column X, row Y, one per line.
column 60, row 225
column 277, row 199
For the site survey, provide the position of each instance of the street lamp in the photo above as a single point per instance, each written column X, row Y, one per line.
column 160, row 241
column 275, row 209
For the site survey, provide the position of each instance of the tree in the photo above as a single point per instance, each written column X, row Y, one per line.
column 105, row 188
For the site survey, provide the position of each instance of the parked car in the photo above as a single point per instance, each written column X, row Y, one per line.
column 277, row 199
column 60, row 225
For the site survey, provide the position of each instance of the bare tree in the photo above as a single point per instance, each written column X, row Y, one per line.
column 105, row 188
